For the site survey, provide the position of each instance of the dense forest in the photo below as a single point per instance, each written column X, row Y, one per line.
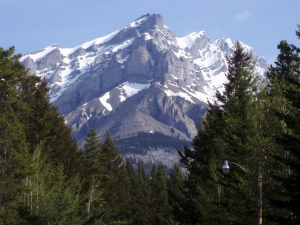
column 254, row 125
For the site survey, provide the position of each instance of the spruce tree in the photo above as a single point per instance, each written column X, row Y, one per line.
column 159, row 205
column 63, row 199
column 242, row 139
column 14, row 155
column 284, row 88
column 115, row 182
column 177, row 194
column 93, row 173
column 229, row 131
column 140, row 197
column 44, row 124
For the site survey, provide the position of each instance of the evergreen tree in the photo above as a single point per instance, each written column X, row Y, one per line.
column 93, row 179
column 45, row 125
column 177, row 194
column 159, row 205
column 63, row 200
column 38, row 187
column 33, row 139
column 284, row 89
column 140, row 196
column 229, row 131
column 14, row 155
column 203, row 163
column 242, row 140
column 115, row 182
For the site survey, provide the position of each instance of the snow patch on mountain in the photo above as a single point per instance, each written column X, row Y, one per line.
column 104, row 102
column 125, row 89
column 122, row 45
column 131, row 89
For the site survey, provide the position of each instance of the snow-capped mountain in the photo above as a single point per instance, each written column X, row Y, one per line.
column 145, row 86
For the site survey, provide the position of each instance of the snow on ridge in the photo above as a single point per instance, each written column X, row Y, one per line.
column 67, row 51
column 40, row 54
column 231, row 44
column 98, row 41
column 188, row 40
column 138, row 21
column 123, row 45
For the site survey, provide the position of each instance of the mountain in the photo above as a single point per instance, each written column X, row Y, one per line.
column 145, row 86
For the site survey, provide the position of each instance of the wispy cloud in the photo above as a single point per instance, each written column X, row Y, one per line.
column 242, row 17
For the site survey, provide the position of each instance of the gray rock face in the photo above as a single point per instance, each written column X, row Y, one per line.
column 139, row 65
column 200, row 44
column 50, row 60
column 138, row 83
column 30, row 64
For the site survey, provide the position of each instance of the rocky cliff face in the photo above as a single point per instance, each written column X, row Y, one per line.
column 140, row 81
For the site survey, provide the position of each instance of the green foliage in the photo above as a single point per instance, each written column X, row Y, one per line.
column 242, row 139
column 258, row 130
column 284, row 89
column 177, row 194
column 38, row 154
column 139, row 195
column 14, row 155
column 45, row 179
column 159, row 206
column 93, row 173
column 116, row 183
column 229, row 131
column 63, row 199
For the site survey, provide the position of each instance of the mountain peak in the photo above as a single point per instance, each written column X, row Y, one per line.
column 153, row 19
column 147, row 22
column 149, row 25
column 159, row 81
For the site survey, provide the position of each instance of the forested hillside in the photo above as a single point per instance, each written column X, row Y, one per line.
column 46, row 179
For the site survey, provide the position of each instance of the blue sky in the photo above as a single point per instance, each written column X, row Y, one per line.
column 32, row 25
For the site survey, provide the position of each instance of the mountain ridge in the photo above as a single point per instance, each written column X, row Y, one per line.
column 137, row 80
